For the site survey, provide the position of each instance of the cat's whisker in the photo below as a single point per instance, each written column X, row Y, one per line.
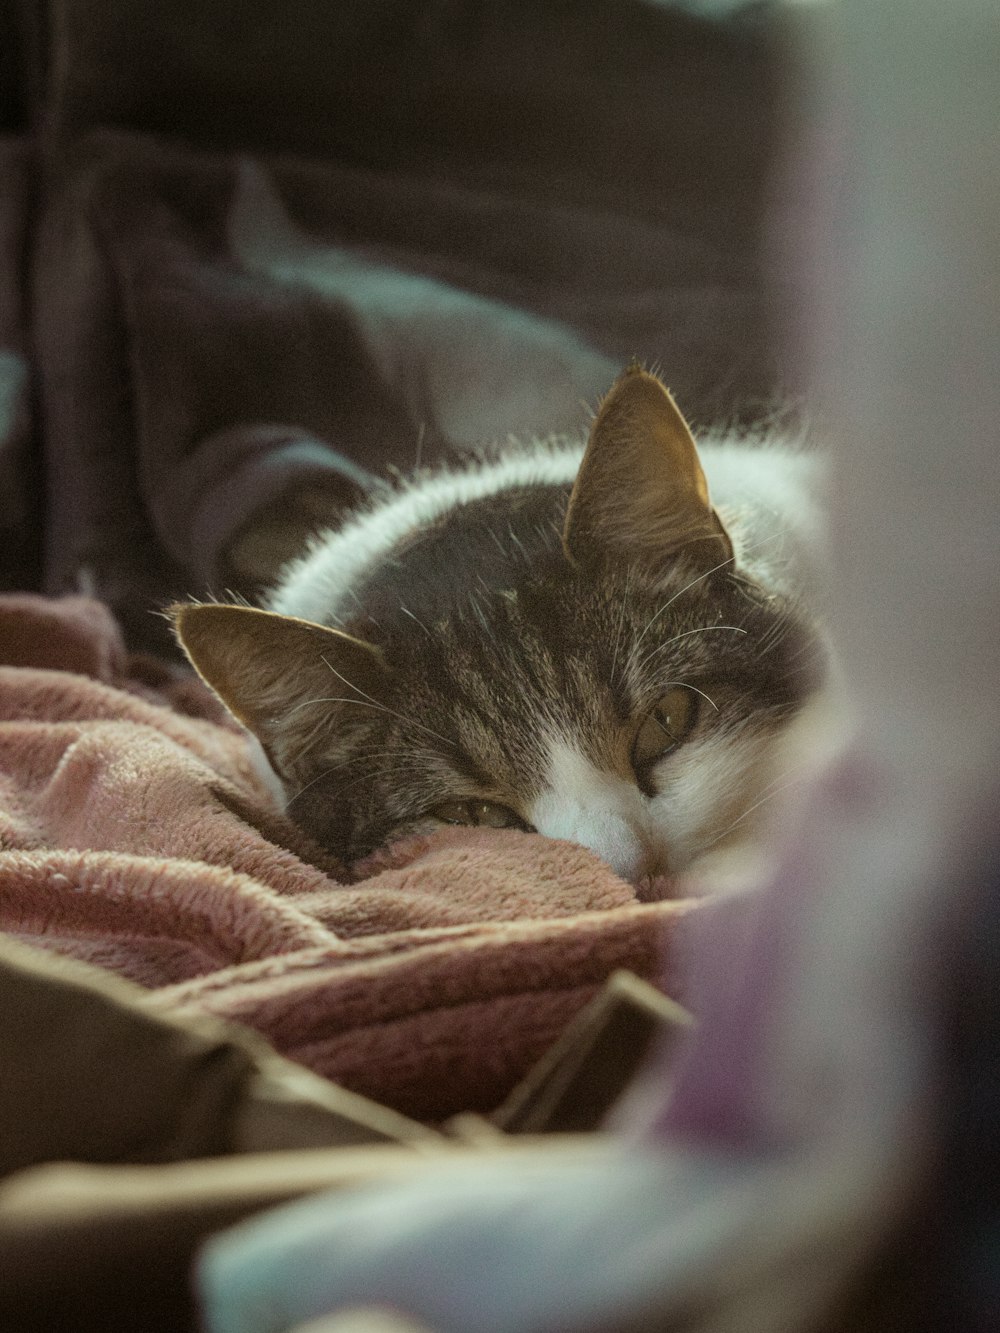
column 312, row 782
column 368, row 703
column 669, row 684
column 364, row 777
column 702, row 629
column 771, row 792
column 372, row 754
column 400, row 764
column 752, row 546
column 407, row 612
column 680, row 593
column 333, row 699
column 382, row 707
column 763, row 541
column 349, row 683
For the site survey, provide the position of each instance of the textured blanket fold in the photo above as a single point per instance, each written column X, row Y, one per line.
column 136, row 834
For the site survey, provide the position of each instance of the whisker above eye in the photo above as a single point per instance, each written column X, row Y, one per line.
column 318, row 778
column 703, row 629
column 669, row 684
column 409, row 721
column 680, row 593
column 372, row 755
column 659, row 648
column 753, row 546
column 366, row 702
column 370, row 776
column 398, row 766
column 308, row 703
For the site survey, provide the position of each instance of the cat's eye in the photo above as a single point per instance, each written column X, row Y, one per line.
column 482, row 814
column 669, row 724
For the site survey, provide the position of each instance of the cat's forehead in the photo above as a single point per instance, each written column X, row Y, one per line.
column 495, row 566
column 426, row 529
column 482, row 549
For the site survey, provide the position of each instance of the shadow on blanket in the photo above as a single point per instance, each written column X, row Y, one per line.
column 135, row 835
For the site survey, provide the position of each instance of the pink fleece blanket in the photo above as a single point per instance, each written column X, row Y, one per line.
column 134, row 834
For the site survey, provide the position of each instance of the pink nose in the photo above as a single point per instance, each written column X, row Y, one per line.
column 651, row 879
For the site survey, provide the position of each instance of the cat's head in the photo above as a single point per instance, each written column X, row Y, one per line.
column 583, row 659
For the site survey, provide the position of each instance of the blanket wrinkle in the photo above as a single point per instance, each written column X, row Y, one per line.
column 406, row 1025
column 563, row 878
column 74, row 634
column 129, row 909
column 141, row 839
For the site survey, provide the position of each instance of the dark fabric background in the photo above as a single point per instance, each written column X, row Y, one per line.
column 253, row 256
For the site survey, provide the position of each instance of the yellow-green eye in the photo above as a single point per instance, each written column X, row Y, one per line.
column 485, row 814
column 670, row 722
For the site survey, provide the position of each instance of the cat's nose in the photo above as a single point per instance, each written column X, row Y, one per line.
column 640, row 857
column 633, row 856
column 645, row 863
column 651, row 878
column 622, row 841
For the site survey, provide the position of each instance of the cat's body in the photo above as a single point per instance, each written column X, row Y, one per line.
column 572, row 642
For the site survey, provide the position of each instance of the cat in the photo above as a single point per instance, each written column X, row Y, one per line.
column 564, row 638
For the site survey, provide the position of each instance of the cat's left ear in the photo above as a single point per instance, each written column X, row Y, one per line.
column 277, row 675
column 640, row 493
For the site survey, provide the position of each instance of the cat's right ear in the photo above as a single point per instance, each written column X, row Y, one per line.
column 641, row 493
column 274, row 673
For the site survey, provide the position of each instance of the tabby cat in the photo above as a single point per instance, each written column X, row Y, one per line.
column 568, row 640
